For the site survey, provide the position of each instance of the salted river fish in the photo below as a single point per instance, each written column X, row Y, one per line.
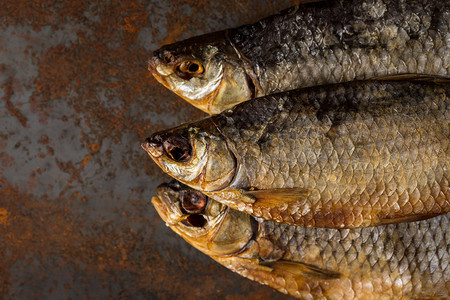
column 337, row 156
column 312, row 44
column 396, row 261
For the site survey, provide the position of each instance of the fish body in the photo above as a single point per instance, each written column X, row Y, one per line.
column 338, row 156
column 308, row 45
column 395, row 261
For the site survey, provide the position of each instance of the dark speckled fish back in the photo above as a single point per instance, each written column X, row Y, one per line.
column 336, row 41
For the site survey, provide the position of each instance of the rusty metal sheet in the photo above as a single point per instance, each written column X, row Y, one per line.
column 75, row 187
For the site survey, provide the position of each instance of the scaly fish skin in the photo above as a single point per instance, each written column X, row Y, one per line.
column 396, row 261
column 308, row 45
column 337, row 156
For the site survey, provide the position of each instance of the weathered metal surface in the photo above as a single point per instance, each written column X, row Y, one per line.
column 75, row 187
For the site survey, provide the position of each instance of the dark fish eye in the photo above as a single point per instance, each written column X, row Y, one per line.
column 177, row 148
column 193, row 67
column 194, row 202
column 195, row 221
column 190, row 67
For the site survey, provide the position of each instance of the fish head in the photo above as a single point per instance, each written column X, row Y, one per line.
column 195, row 154
column 206, row 71
column 208, row 225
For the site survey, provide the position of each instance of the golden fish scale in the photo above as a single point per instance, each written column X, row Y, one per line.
column 396, row 261
column 377, row 162
column 407, row 260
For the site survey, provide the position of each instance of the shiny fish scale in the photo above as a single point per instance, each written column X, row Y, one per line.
column 397, row 261
column 414, row 255
column 391, row 155
column 312, row 44
column 342, row 41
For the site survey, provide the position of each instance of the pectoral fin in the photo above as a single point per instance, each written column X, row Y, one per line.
column 276, row 197
column 264, row 198
column 300, row 271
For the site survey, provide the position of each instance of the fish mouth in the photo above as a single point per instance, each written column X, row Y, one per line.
column 167, row 209
column 153, row 149
column 152, row 67
column 158, row 160
column 176, row 147
column 161, row 208
column 152, row 64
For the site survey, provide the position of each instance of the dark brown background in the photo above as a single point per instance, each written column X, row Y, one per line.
column 75, row 187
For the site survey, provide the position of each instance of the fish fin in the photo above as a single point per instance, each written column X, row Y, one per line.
column 296, row 279
column 414, row 77
column 231, row 197
column 300, row 270
column 403, row 219
column 275, row 197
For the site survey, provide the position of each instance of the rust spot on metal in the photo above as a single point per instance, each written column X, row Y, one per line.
column 75, row 216
column 39, row 228
column 3, row 216
column 95, row 147
column 14, row 111
column 6, row 160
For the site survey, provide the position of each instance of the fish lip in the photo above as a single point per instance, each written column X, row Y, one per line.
column 167, row 209
column 156, row 201
column 151, row 150
column 163, row 209
column 160, row 208
column 151, row 65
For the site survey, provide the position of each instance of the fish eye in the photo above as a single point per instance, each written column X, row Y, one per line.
column 194, row 202
column 195, row 221
column 190, row 67
column 178, row 148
